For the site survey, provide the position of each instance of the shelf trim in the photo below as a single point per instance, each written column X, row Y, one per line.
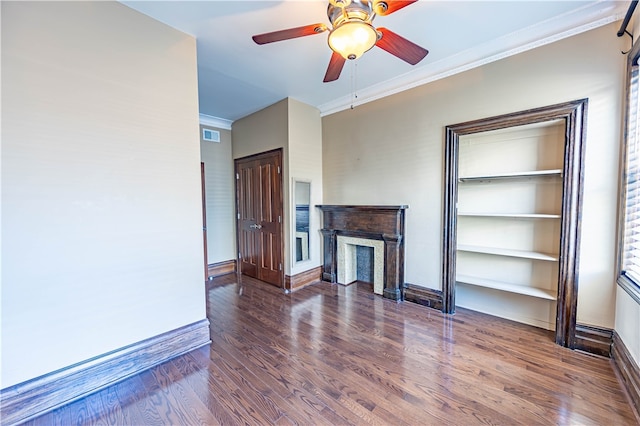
column 507, row 287
column 512, row 215
column 512, row 175
column 525, row 254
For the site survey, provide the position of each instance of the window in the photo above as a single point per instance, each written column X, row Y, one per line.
column 629, row 277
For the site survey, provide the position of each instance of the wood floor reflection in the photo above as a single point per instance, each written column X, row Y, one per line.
column 334, row 355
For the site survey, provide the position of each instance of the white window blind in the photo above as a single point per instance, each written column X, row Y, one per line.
column 631, row 245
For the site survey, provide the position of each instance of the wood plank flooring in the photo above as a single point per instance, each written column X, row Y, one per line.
column 335, row 355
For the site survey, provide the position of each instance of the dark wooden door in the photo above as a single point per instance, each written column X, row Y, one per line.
column 259, row 216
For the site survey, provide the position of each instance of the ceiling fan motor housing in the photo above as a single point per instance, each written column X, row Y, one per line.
column 355, row 9
column 352, row 32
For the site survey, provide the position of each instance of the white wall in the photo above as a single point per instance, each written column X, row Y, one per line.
column 101, row 224
column 220, row 197
column 391, row 151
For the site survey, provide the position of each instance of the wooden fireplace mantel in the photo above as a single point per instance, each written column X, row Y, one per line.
column 384, row 223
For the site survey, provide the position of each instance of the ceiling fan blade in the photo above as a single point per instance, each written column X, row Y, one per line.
column 387, row 7
column 336, row 63
column 307, row 30
column 400, row 46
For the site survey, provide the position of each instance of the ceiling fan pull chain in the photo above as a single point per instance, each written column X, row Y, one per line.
column 352, row 89
column 354, row 83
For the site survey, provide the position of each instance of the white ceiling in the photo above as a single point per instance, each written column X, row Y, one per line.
column 238, row 77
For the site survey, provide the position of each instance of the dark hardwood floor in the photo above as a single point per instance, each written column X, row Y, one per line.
column 333, row 355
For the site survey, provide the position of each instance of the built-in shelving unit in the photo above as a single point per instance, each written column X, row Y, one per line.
column 509, row 213
column 512, row 214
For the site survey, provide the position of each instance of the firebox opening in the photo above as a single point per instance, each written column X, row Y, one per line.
column 364, row 262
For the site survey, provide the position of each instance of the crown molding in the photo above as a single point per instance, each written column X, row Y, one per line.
column 220, row 123
column 584, row 19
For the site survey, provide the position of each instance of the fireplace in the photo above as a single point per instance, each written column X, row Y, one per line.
column 380, row 227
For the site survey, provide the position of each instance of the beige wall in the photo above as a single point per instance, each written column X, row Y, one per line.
column 220, row 196
column 305, row 162
column 261, row 131
column 391, row 151
column 295, row 127
column 627, row 321
column 101, row 224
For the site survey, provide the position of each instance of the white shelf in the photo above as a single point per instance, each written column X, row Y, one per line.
column 512, row 215
column 509, row 252
column 511, row 288
column 513, row 175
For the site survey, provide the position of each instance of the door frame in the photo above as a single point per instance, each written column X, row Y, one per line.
column 575, row 115
column 279, row 153
column 204, row 221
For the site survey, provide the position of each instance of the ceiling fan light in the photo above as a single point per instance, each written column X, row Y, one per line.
column 352, row 38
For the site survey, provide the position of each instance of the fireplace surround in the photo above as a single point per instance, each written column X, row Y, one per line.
column 348, row 261
column 382, row 223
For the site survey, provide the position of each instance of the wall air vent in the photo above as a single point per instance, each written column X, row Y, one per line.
column 210, row 135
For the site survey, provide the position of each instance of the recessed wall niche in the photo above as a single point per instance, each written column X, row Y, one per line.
column 512, row 207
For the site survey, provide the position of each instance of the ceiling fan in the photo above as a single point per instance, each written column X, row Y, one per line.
column 353, row 34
